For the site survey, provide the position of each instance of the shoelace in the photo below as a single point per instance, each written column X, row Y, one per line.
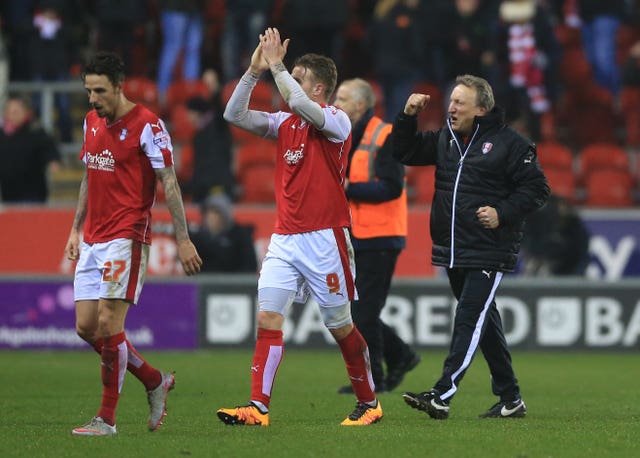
column 359, row 411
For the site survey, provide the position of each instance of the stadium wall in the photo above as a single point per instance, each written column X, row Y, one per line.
column 219, row 311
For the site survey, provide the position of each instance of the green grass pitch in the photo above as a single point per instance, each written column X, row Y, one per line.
column 580, row 405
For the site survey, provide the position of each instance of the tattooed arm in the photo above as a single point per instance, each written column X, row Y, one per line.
column 73, row 244
column 187, row 253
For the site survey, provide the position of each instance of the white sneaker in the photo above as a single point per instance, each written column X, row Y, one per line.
column 157, row 399
column 96, row 427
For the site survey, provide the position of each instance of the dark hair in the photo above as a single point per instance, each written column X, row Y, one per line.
column 323, row 68
column 105, row 63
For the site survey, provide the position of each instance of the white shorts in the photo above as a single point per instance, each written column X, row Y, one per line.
column 321, row 262
column 111, row 270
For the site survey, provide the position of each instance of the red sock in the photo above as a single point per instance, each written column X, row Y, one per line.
column 114, row 363
column 142, row 370
column 137, row 365
column 266, row 360
column 356, row 357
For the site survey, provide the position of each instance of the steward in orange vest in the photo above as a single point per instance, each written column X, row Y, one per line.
column 376, row 190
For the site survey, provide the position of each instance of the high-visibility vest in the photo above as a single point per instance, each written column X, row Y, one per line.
column 381, row 219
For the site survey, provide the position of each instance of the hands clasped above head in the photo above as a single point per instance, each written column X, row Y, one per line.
column 273, row 48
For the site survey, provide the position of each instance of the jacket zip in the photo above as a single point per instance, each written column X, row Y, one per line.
column 455, row 186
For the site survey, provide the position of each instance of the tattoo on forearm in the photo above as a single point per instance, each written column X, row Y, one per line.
column 277, row 68
column 174, row 203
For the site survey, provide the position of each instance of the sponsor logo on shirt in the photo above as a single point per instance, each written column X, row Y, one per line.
column 161, row 140
column 292, row 157
column 102, row 161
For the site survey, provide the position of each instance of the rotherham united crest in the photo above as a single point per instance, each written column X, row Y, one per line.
column 486, row 147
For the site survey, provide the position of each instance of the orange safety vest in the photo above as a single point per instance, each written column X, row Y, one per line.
column 381, row 219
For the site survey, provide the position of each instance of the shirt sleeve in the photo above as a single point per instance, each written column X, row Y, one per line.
column 237, row 110
column 155, row 141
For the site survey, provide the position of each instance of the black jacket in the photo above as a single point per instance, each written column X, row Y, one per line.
column 499, row 168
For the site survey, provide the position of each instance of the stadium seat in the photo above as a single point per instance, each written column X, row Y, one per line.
column 553, row 155
column 182, row 129
column 257, row 151
column 602, row 156
column 433, row 116
column 609, row 188
column 143, row 91
column 180, row 91
column 630, row 105
column 589, row 114
column 562, row 183
column 263, row 97
column 256, row 183
column 421, row 181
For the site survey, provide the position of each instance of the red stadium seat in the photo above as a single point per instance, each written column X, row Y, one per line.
column 180, row 91
column 263, row 96
column 257, row 184
column 609, row 188
column 562, row 183
column 630, row 105
column 601, row 156
column 433, row 116
column 421, row 181
column 182, row 129
column 256, row 151
column 553, row 155
column 143, row 91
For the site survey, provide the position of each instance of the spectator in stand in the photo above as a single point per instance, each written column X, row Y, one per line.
column 223, row 244
column 52, row 52
column 182, row 24
column 212, row 151
column 527, row 54
column 556, row 241
column 468, row 46
column 600, row 23
column 316, row 27
column 396, row 47
column 117, row 21
column 27, row 154
column 243, row 22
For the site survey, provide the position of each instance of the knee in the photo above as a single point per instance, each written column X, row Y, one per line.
column 270, row 320
column 86, row 331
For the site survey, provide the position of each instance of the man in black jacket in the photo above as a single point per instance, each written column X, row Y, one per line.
column 487, row 180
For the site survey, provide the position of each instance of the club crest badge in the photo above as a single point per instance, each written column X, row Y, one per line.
column 486, row 147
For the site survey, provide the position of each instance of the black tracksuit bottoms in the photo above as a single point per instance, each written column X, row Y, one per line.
column 477, row 323
column 374, row 271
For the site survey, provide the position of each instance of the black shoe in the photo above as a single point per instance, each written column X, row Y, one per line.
column 396, row 375
column 502, row 409
column 430, row 402
column 348, row 389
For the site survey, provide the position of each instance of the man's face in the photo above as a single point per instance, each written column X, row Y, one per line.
column 15, row 112
column 103, row 96
column 307, row 81
column 463, row 108
column 348, row 103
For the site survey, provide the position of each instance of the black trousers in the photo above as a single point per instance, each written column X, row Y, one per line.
column 374, row 270
column 477, row 323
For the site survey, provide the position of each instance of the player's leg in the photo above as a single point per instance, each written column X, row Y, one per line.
column 277, row 287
